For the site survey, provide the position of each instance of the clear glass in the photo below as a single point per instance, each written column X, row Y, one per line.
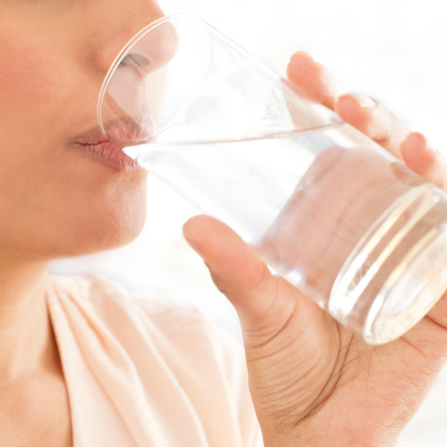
column 323, row 205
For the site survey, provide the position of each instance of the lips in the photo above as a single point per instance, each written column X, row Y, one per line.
column 110, row 154
column 106, row 149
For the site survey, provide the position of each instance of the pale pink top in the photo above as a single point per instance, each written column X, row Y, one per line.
column 147, row 373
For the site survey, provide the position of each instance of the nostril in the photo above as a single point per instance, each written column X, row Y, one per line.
column 139, row 60
column 137, row 63
column 135, row 59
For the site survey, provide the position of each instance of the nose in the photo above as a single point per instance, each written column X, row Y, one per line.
column 153, row 50
column 120, row 27
column 133, row 99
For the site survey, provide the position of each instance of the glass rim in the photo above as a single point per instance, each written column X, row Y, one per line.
column 227, row 40
column 135, row 39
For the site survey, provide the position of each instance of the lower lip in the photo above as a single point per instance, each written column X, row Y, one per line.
column 111, row 155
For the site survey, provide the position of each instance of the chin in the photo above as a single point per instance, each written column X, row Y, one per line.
column 107, row 231
column 95, row 226
column 114, row 233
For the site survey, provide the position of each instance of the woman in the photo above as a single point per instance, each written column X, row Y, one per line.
column 81, row 363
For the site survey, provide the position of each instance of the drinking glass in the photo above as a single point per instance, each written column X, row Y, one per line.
column 323, row 205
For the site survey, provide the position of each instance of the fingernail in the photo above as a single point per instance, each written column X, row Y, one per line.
column 194, row 246
column 301, row 54
column 424, row 141
column 418, row 138
column 364, row 101
column 430, row 146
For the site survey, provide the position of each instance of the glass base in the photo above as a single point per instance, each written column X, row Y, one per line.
column 398, row 270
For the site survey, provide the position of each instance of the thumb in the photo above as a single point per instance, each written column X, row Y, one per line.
column 239, row 273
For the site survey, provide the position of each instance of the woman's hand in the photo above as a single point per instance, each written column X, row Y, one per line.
column 313, row 382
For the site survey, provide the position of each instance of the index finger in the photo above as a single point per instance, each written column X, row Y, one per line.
column 314, row 78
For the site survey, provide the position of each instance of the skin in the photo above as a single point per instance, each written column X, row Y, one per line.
column 312, row 381
column 57, row 201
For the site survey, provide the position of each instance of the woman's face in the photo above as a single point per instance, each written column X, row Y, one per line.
column 56, row 198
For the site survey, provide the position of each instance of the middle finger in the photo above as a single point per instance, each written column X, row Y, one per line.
column 374, row 120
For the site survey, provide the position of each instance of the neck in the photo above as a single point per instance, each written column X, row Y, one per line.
column 25, row 329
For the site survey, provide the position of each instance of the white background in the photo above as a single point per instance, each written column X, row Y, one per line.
column 393, row 50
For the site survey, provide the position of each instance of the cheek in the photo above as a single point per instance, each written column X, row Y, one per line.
column 56, row 203
column 36, row 81
column 24, row 84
